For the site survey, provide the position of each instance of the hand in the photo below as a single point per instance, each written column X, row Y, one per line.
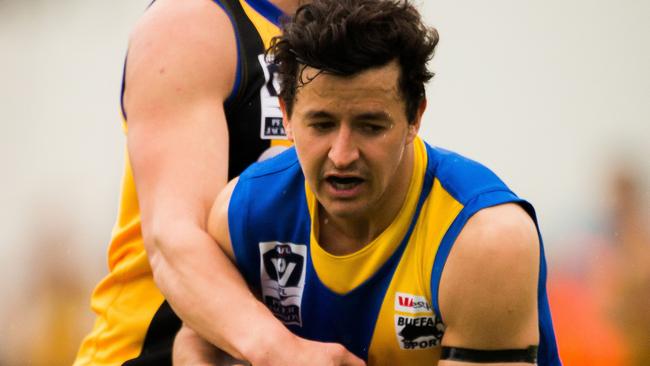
column 192, row 350
column 300, row 352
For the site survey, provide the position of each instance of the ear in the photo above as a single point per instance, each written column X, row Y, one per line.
column 414, row 127
column 286, row 123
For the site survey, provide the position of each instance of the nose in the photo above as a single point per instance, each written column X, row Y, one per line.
column 343, row 151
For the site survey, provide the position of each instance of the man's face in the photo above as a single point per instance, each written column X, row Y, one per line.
column 350, row 134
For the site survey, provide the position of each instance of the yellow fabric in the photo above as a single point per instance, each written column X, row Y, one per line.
column 412, row 277
column 126, row 300
column 263, row 26
column 342, row 274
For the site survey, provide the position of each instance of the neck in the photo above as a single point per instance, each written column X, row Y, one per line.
column 287, row 6
column 345, row 235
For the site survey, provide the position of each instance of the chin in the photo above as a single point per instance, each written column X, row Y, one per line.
column 344, row 210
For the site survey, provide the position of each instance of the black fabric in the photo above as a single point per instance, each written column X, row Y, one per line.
column 528, row 355
column 158, row 343
column 243, row 109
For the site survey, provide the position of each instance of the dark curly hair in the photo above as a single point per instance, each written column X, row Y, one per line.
column 344, row 37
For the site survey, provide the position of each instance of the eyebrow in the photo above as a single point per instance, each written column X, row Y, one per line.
column 367, row 116
column 374, row 116
column 318, row 114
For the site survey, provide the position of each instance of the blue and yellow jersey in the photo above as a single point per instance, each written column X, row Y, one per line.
column 134, row 322
column 380, row 302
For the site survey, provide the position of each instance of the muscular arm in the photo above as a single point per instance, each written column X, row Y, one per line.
column 181, row 67
column 190, row 349
column 488, row 289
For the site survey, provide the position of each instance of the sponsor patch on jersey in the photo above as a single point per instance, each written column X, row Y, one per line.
column 282, row 274
column 408, row 303
column 271, row 123
column 416, row 326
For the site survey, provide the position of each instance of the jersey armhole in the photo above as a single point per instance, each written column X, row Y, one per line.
column 238, row 71
column 226, row 7
column 481, row 201
column 123, row 88
column 548, row 351
column 238, row 221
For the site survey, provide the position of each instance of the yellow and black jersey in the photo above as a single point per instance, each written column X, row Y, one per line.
column 380, row 302
column 134, row 324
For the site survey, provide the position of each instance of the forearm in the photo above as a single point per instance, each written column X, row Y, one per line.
column 207, row 292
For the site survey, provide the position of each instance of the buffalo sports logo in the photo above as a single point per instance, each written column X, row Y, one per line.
column 416, row 326
column 282, row 274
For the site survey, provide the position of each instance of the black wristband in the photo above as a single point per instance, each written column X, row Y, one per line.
column 528, row 355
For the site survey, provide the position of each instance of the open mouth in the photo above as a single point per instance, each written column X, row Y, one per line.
column 343, row 183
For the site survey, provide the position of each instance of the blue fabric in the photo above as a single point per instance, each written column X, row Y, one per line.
column 267, row 10
column 275, row 214
column 548, row 352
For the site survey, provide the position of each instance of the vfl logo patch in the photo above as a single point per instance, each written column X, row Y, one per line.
column 282, row 274
column 421, row 329
column 271, row 123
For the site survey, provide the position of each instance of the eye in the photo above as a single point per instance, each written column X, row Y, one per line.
column 372, row 128
column 322, row 126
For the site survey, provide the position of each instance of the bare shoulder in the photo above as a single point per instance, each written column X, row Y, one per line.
column 504, row 232
column 181, row 66
column 184, row 23
column 188, row 44
column 218, row 219
column 488, row 290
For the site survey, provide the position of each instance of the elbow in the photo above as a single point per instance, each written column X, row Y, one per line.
column 156, row 242
column 155, row 245
column 162, row 241
column 171, row 252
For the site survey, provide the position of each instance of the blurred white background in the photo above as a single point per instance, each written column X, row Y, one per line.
column 550, row 94
column 553, row 95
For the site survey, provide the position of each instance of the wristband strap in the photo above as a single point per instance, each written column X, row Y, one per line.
column 528, row 355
